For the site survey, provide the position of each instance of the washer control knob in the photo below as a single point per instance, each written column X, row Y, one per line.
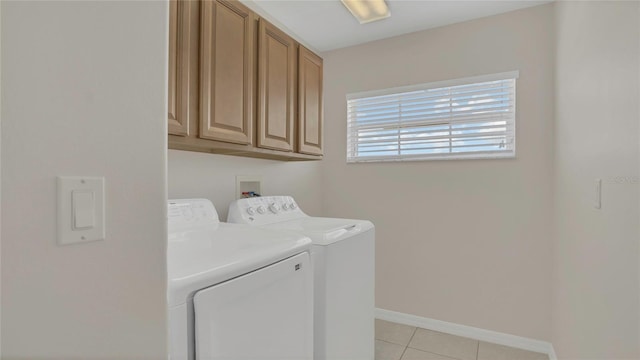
column 261, row 210
column 274, row 208
column 285, row 206
column 251, row 211
column 292, row 206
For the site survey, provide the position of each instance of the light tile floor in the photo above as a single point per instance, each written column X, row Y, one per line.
column 402, row 342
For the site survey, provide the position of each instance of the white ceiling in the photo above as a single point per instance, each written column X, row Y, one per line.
column 327, row 24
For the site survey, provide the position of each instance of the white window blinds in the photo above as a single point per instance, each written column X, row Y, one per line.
column 465, row 118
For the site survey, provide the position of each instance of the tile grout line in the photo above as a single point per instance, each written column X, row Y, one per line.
column 435, row 353
column 429, row 351
column 477, row 357
column 426, row 351
column 409, row 342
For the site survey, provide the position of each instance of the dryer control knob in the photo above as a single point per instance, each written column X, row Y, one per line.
column 261, row 210
column 251, row 211
column 274, row 208
column 285, row 206
column 292, row 206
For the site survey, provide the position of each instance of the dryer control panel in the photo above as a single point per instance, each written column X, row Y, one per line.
column 264, row 210
column 190, row 212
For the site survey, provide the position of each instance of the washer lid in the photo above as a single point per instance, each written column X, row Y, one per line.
column 324, row 231
column 206, row 255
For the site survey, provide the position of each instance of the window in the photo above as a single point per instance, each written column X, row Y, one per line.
column 472, row 118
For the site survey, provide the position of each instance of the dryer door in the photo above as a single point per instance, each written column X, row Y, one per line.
column 266, row 314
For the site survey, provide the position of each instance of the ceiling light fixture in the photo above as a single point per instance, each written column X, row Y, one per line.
column 367, row 11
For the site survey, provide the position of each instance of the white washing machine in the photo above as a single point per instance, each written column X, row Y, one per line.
column 236, row 292
column 343, row 258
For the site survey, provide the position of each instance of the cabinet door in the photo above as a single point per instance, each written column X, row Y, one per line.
column 276, row 65
column 226, row 71
column 180, row 34
column 309, row 102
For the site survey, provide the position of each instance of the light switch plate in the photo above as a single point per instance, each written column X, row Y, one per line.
column 80, row 209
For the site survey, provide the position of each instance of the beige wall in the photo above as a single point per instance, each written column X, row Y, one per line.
column 84, row 93
column 0, row 178
column 596, row 294
column 213, row 177
column 467, row 242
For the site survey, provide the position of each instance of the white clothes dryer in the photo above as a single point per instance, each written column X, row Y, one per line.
column 236, row 292
column 343, row 259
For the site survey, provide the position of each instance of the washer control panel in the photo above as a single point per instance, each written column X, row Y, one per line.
column 264, row 210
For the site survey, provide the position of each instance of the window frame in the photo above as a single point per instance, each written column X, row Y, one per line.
column 478, row 155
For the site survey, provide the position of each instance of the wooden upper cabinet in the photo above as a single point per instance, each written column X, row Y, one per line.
column 226, row 71
column 239, row 85
column 276, row 88
column 309, row 102
column 180, row 37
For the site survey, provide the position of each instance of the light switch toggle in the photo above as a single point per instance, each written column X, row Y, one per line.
column 84, row 205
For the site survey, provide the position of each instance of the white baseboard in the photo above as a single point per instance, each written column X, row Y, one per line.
column 468, row 331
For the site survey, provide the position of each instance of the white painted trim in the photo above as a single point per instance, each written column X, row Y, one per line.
column 0, row 136
column 468, row 331
column 436, row 84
